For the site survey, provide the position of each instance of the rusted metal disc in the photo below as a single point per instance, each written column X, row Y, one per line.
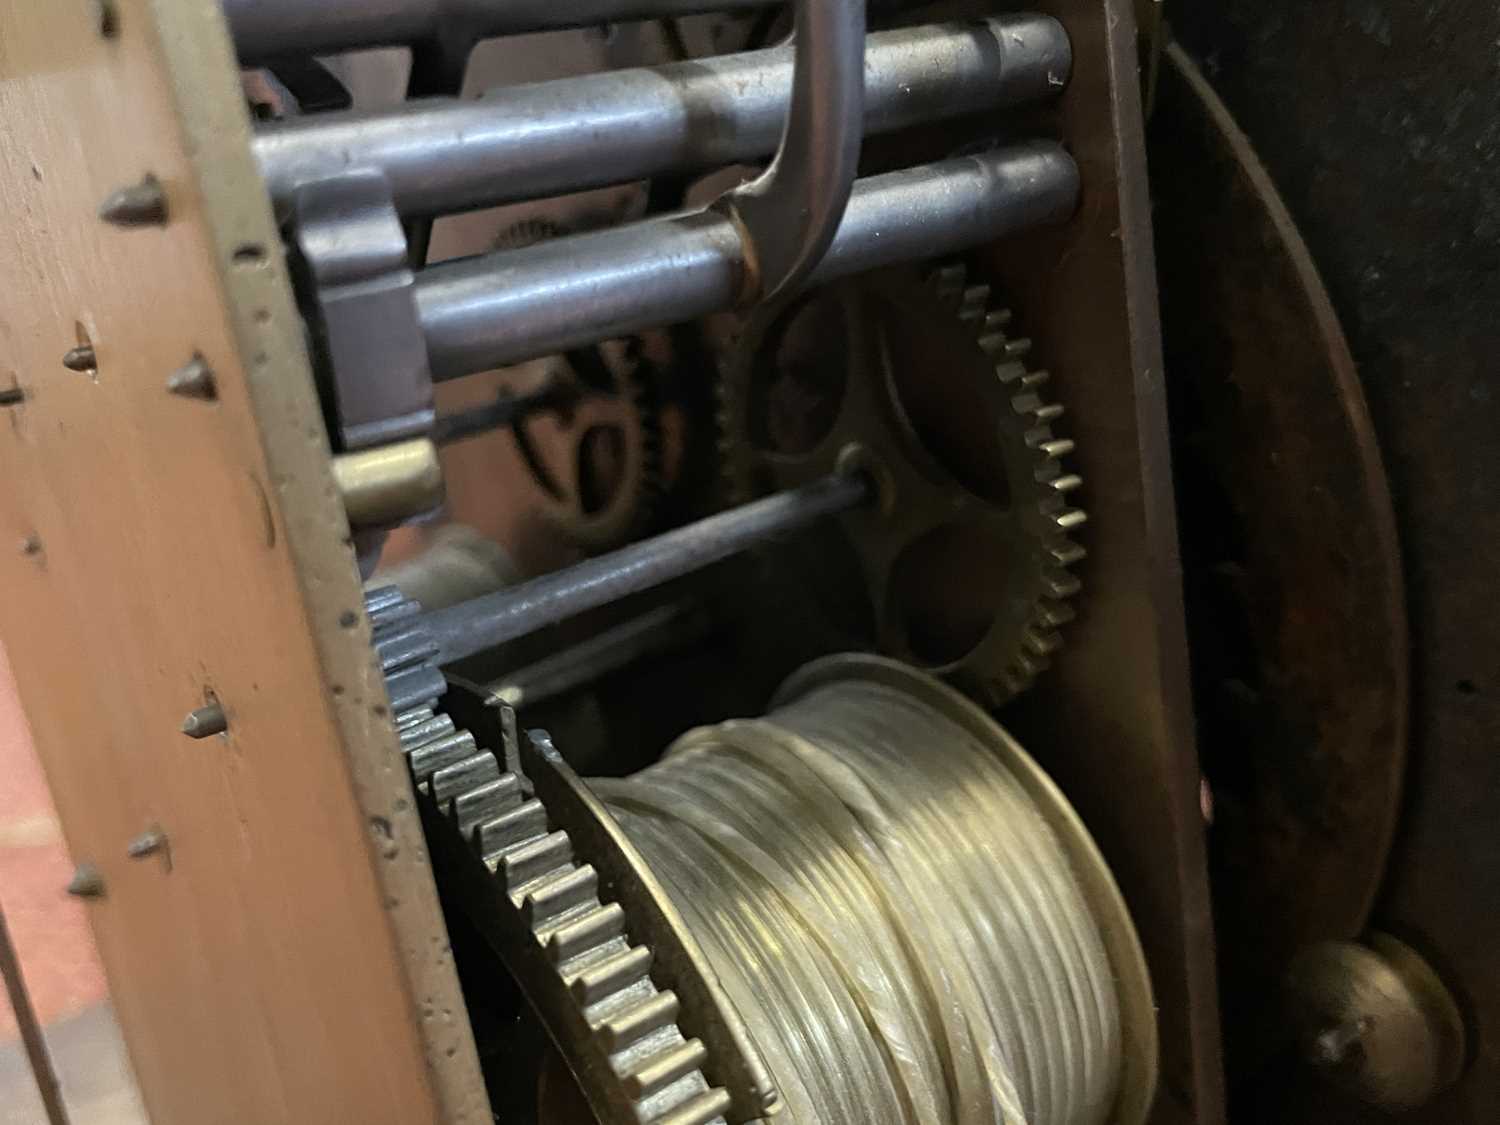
column 1296, row 611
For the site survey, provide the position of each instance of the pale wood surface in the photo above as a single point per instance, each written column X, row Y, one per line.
column 285, row 964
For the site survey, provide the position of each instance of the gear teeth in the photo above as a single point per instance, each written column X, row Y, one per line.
column 550, row 900
column 734, row 484
column 406, row 720
column 413, row 686
column 381, row 599
column 972, row 317
column 973, row 305
column 428, row 730
column 1043, row 642
column 1060, row 584
column 629, row 513
column 1011, row 372
column 1031, row 664
column 1023, row 672
column 993, row 343
column 653, row 488
column 1067, row 553
column 1041, row 487
column 1030, row 403
column 1012, row 682
column 659, row 1071
column 573, row 937
column 603, row 977
column 948, row 281
column 482, row 803
column 468, row 773
column 1049, row 412
column 432, row 756
column 530, row 862
column 621, row 1031
column 1070, row 518
column 404, row 649
column 705, row 1107
column 390, row 611
column 1051, row 609
column 584, row 940
column 1054, row 615
column 509, row 828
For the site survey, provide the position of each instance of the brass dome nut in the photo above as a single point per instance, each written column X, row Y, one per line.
column 1374, row 1018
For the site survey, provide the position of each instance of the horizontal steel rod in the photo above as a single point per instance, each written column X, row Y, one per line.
column 495, row 309
column 264, row 30
column 443, row 155
column 473, row 626
column 654, row 633
column 505, row 410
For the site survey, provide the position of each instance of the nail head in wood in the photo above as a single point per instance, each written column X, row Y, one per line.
column 148, row 843
column 206, row 721
column 86, row 882
column 194, row 379
column 139, row 205
column 81, row 358
column 107, row 18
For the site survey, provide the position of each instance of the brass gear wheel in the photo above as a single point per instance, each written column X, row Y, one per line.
column 918, row 378
column 584, row 966
column 597, row 462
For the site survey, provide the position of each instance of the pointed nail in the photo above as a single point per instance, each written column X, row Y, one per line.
column 147, row 843
column 139, row 205
column 206, row 721
column 86, row 882
column 107, row 18
column 81, row 358
column 194, row 379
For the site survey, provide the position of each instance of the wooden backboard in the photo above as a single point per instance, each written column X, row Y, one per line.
column 283, row 959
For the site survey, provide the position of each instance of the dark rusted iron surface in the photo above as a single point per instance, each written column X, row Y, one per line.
column 1296, row 612
column 1378, row 122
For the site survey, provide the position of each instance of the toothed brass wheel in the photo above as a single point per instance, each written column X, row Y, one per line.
column 556, row 923
column 921, row 380
column 598, row 462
